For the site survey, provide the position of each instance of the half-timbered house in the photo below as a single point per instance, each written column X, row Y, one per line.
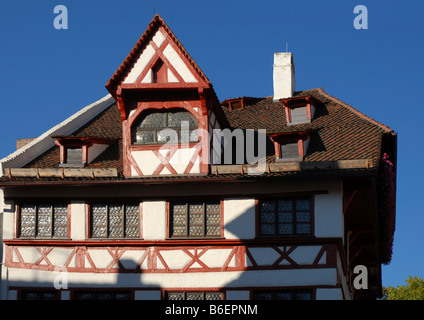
column 161, row 191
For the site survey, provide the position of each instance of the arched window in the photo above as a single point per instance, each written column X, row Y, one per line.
column 158, row 127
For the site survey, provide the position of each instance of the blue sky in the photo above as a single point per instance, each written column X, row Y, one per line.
column 48, row 74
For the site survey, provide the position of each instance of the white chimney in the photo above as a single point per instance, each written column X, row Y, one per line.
column 284, row 81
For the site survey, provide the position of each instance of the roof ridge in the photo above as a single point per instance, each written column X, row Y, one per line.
column 359, row 113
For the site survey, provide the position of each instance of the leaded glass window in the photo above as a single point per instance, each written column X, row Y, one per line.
column 283, row 217
column 159, row 127
column 102, row 295
column 39, row 295
column 44, row 220
column 115, row 220
column 195, row 219
column 194, row 295
column 295, row 294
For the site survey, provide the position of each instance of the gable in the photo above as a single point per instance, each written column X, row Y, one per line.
column 158, row 60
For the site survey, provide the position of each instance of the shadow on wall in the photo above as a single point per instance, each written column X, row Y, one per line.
column 151, row 273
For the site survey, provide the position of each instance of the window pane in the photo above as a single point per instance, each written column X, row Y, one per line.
column 213, row 230
column 167, row 135
column 27, row 221
column 268, row 217
column 194, row 136
column 179, row 220
column 268, row 206
column 132, row 221
column 285, row 205
column 60, row 219
column 303, row 228
column 175, row 296
column 194, row 296
column 303, row 216
column 115, row 221
column 303, row 204
column 99, row 221
column 195, row 231
column 176, row 118
column 74, row 155
column 213, row 296
column 285, row 228
column 262, row 296
column 267, row 228
column 144, row 137
column 44, row 221
column 153, row 120
column 290, row 151
column 285, row 217
column 303, row 295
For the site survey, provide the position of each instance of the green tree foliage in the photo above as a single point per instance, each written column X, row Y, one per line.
column 413, row 290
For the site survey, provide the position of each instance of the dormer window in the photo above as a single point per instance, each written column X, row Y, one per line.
column 299, row 110
column 80, row 151
column 159, row 127
column 235, row 104
column 290, row 146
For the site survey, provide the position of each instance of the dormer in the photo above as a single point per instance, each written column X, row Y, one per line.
column 235, row 104
column 80, row 151
column 158, row 89
column 290, row 146
column 299, row 110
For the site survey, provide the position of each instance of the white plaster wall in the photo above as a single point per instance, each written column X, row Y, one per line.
column 178, row 64
column 237, row 279
column 78, row 220
column 147, row 295
column 154, row 220
column 147, row 161
column 237, row 295
column 239, row 218
column 141, row 63
column 329, row 212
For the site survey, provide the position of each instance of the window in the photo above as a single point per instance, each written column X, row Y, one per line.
column 38, row 295
column 189, row 295
column 195, row 220
column 295, row 294
column 115, row 220
column 74, row 156
column 44, row 220
column 158, row 127
column 102, row 295
column 290, row 151
column 283, row 217
column 299, row 115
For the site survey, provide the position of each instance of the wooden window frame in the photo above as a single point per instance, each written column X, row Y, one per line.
column 187, row 220
column 18, row 231
column 123, row 216
column 276, row 221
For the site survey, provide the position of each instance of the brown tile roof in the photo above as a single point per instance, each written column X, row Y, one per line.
column 106, row 125
column 338, row 132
